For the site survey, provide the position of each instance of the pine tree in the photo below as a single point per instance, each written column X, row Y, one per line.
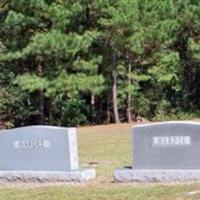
column 52, row 58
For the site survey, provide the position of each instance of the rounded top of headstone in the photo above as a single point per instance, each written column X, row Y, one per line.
column 39, row 127
column 167, row 123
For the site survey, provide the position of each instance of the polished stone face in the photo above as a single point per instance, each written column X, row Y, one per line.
column 38, row 148
column 167, row 145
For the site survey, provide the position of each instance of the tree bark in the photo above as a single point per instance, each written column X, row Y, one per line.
column 92, row 103
column 129, row 96
column 41, row 98
column 108, row 115
column 41, row 107
column 87, row 14
column 114, row 89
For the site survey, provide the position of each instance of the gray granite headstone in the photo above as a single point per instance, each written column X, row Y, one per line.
column 167, row 151
column 174, row 145
column 35, row 151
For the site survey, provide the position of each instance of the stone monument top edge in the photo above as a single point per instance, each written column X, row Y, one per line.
column 68, row 129
column 186, row 122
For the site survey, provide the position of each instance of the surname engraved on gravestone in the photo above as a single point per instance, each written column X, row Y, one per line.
column 38, row 148
column 32, row 144
column 171, row 140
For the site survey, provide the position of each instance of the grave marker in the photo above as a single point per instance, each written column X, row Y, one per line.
column 167, row 151
column 29, row 153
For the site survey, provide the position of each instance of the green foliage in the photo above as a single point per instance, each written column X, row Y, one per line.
column 167, row 71
column 53, row 43
column 31, row 82
column 142, row 105
column 73, row 84
column 58, row 60
column 176, row 114
column 194, row 47
column 71, row 111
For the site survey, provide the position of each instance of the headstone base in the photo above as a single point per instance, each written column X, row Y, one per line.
column 47, row 176
column 161, row 175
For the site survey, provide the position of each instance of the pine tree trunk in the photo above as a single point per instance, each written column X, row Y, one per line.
column 87, row 14
column 129, row 96
column 114, row 89
column 92, row 104
column 41, row 99
column 41, row 107
column 108, row 115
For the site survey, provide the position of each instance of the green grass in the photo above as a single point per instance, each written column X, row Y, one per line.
column 109, row 192
column 105, row 148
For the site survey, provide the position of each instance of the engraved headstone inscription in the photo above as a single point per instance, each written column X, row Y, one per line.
column 167, row 151
column 43, row 153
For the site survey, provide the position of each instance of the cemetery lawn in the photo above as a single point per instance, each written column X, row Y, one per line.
column 105, row 148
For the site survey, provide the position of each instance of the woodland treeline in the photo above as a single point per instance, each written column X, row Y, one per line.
column 74, row 62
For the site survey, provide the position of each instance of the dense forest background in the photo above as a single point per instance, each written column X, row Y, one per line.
column 68, row 63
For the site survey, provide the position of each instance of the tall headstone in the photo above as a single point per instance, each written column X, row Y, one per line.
column 41, row 153
column 168, row 151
